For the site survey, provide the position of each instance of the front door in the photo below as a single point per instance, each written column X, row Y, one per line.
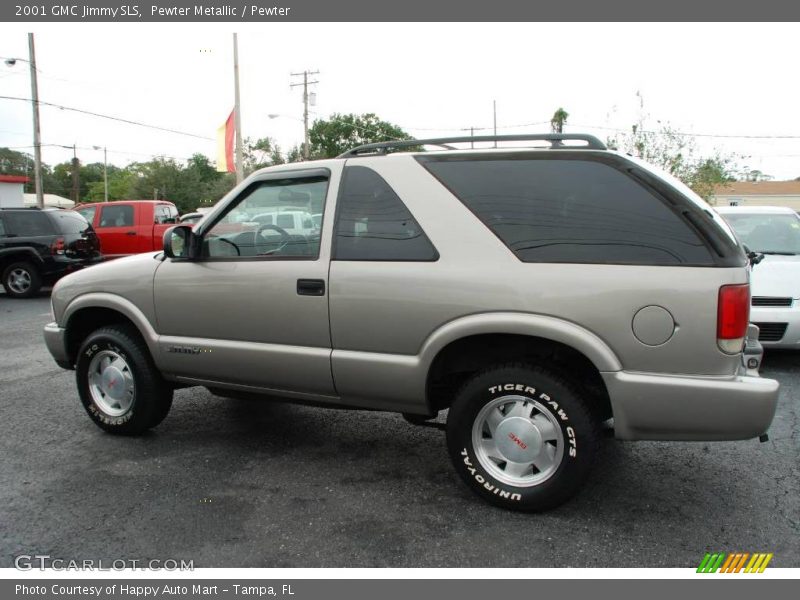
column 253, row 309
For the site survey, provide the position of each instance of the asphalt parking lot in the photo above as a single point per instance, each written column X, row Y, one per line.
column 231, row 483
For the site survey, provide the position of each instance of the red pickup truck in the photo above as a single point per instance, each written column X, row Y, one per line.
column 129, row 226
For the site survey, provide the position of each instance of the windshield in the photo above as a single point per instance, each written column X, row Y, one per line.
column 768, row 233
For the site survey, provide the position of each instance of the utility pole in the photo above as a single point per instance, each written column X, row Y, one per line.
column 105, row 174
column 76, row 174
column 237, row 112
column 305, row 85
column 494, row 112
column 37, row 141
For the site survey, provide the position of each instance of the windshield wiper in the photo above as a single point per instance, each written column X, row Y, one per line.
column 776, row 252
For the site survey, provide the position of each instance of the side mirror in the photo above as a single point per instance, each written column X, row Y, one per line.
column 753, row 257
column 179, row 242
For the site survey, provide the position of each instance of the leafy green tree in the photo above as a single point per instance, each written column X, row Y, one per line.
column 748, row 174
column 260, row 153
column 120, row 186
column 665, row 147
column 331, row 137
column 294, row 155
column 558, row 119
column 15, row 163
column 710, row 173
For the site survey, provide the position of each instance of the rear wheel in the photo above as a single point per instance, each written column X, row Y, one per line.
column 120, row 387
column 522, row 437
column 21, row 280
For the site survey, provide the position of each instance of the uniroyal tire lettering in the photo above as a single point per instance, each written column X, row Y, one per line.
column 486, row 485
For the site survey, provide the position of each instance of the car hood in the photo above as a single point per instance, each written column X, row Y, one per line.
column 776, row 276
column 130, row 277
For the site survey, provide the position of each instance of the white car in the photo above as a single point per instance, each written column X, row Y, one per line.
column 773, row 231
column 294, row 222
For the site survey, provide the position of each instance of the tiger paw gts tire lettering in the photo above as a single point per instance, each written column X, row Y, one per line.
column 522, row 437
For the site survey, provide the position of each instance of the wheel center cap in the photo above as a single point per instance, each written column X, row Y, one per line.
column 518, row 440
column 113, row 383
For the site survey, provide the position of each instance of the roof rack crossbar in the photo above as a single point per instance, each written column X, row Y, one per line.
column 556, row 141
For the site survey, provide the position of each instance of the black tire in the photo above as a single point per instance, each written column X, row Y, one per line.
column 150, row 397
column 555, row 404
column 20, row 274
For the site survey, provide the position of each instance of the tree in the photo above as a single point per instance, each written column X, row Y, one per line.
column 15, row 163
column 676, row 153
column 710, row 173
column 330, row 138
column 748, row 174
column 294, row 155
column 260, row 153
column 558, row 119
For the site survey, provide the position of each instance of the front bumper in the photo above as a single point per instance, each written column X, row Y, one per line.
column 55, row 338
column 778, row 315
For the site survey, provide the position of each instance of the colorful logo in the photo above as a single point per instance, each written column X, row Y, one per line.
column 737, row 562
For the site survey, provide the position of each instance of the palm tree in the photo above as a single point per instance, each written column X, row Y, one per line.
column 557, row 121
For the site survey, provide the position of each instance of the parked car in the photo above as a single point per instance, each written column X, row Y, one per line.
column 39, row 246
column 295, row 222
column 128, row 227
column 536, row 293
column 774, row 232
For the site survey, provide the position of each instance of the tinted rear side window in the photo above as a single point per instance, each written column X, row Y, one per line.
column 69, row 222
column 566, row 210
column 372, row 222
column 28, row 223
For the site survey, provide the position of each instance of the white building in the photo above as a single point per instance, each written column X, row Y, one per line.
column 50, row 201
column 11, row 191
column 758, row 193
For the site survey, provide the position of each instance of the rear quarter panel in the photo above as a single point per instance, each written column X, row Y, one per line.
column 394, row 307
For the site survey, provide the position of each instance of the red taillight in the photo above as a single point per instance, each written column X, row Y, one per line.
column 58, row 246
column 733, row 317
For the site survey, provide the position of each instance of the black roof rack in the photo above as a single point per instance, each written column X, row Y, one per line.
column 556, row 141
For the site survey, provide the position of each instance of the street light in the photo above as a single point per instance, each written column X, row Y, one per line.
column 37, row 142
column 105, row 170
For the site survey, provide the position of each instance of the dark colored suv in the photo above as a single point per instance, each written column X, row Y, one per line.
column 37, row 246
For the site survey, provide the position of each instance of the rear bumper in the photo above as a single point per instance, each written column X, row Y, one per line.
column 56, row 341
column 672, row 407
column 64, row 266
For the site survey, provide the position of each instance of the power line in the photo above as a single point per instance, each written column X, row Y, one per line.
column 708, row 135
column 109, row 150
column 476, row 128
column 109, row 117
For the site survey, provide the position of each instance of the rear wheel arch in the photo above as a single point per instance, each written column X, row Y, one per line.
column 462, row 358
column 20, row 255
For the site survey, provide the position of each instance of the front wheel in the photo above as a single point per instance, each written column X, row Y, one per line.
column 522, row 437
column 118, row 383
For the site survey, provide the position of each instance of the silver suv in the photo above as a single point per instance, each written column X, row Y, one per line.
column 538, row 293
